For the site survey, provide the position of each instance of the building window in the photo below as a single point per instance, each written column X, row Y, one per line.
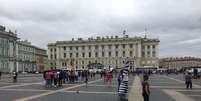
column 103, row 54
column 109, row 46
column 148, row 54
column 131, row 45
column 83, row 55
column 82, row 62
column 131, row 53
column 96, row 47
column 116, row 46
column 71, row 55
column 89, row 47
column 55, row 49
column 148, row 47
column 70, row 47
column 82, row 47
column 89, row 54
column 64, row 48
column 116, row 53
column 76, row 47
column 96, row 54
column 64, row 55
column 55, row 56
column 102, row 46
column 154, row 54
column 153, row 47
column 51, row 56
column 77, row 54
column 124, row 54
column 123, row 45
column 109, row 54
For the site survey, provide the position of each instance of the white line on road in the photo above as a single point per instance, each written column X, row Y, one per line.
column 194, row 95
column 89, row 92
column 189, row 90
column 25, row 84
column 178, row 96
column 28, row 90
column 52, row 92
column 181, row 81
column 169, row 87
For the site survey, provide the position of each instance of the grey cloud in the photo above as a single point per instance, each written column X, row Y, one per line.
column 177, row 23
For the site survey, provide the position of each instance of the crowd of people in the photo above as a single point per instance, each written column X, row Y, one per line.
column 55, row 78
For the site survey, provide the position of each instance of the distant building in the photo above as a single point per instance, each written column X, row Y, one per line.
column 8, row 57
column 180, row 63
column 26, row 59
column 41, row 59
column 106, row 51
column 19, row 56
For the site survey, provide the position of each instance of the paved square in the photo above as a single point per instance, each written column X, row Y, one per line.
column 163, row 88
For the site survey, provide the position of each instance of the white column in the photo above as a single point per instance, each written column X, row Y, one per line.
column 145, row 51
column 135, row 50
column 151, row 50
column 157, row 51
column 92, row 51
column 127, row 52
column 113, row 52
column 139, row 50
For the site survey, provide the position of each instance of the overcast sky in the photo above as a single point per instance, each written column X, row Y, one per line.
column 177, row 23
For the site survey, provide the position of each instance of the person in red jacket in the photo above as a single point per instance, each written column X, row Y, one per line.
column 109, row 78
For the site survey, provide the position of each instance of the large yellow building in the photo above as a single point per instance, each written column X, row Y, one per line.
column 108, row 51
column 41, row 59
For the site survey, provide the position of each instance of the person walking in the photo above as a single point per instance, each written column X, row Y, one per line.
column 109, row 78
column 56, row 77
column 48, row 79
column 120, row 78
column 145, row 88
column 188, row 79
column 123, row 88
column 15, row 77
column 86, row 77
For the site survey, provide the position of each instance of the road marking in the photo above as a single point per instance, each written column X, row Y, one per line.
column 170, row 87
column 30, row 90
column 90, row 92
column 106, row 85
column 178, row 96
column 165, row 82
column 136, row 90
column 25, row 84
column 181, row 81
column 189, row 90
column 52, row 92
column 194, row 95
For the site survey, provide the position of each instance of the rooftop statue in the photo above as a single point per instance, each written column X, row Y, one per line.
column 2, row 28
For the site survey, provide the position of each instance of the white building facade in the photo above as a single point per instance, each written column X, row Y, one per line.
column 109, row 51
column 7, row 50
column 26, row 58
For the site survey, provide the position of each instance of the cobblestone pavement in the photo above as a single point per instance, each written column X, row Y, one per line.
column 172, row 88
column 33, row 89
column 163, row 88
